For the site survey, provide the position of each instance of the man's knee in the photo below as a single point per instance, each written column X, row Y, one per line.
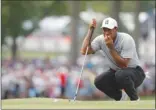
column 97, row 82
column 122, row 77
column 119, row 75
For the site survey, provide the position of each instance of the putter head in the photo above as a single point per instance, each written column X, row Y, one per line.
column 75, row 97
column 72, row 100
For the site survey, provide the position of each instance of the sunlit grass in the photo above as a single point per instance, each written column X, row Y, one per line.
column 47, row 103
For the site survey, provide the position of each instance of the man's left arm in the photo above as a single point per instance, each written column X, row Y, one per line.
column 121, row 62
column 123, row 59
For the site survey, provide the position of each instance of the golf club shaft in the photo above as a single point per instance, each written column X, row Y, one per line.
column 80, row 75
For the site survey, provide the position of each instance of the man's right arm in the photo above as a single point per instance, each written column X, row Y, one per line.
column 86, row 43
column 87, row 40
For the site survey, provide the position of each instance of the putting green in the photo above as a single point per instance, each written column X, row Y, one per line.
column 47, row 103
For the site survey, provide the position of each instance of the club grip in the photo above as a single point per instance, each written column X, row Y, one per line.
column 91, row 33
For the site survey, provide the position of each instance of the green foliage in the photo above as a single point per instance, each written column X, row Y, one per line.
column 98, row 6
column 57, row 8
column 147, row 5
column 128, row 6
column 13, row 15
column 102, row 6
column 15, row 12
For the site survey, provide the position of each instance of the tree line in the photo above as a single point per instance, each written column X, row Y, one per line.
column 14, row 13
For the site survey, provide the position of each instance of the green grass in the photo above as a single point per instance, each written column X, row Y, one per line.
column 47, row 103
column 148, row 97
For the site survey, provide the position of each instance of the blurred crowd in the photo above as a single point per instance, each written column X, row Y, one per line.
column 45, row 78
column 56, row 78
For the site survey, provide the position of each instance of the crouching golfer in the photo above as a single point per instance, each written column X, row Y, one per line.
column 120, row 52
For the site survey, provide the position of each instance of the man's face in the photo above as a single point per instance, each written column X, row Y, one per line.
column 110, row 32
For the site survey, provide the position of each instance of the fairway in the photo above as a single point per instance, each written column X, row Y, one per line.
column 47, row 103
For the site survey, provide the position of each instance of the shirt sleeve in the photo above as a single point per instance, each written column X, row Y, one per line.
column 95, row 44
column 128, row 48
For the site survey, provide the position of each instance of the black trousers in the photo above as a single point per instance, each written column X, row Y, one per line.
column 112, row 82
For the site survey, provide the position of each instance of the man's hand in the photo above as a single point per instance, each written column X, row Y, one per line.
column 93, row 23
column 121, row 62
column 109, row 42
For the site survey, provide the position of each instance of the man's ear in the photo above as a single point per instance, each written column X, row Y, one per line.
column 116, row 28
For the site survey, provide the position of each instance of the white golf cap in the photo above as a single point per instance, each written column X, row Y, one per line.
column 109, row 23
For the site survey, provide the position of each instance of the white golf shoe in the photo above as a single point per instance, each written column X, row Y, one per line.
column 124, row 96
column 138, row 99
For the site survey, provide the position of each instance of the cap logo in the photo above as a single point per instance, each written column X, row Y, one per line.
column 106, row 22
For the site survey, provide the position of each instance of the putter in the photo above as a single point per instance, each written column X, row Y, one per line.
column 90, row 34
